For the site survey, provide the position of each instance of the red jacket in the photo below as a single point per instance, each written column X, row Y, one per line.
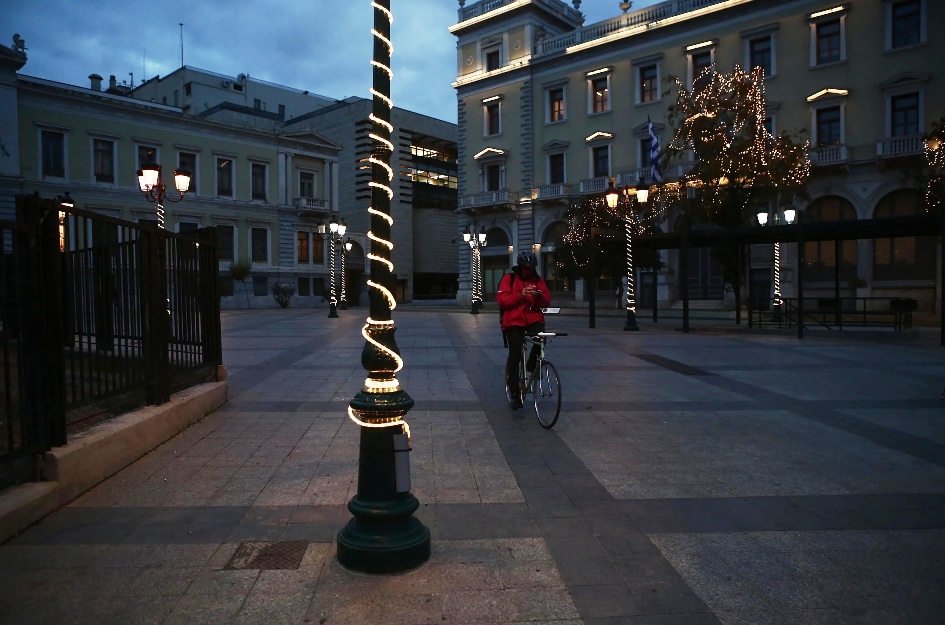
column 522, row 310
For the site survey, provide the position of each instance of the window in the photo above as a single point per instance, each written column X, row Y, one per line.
column 259, row 245
column 599, row 94
column 103, row 156
column 700, row 60
column 556, row 107
column 257, row 104
column 648, row 83
column 224, row 177
column 821, row 257
column 600, row 161
column 556, row 168
column 225, row 239
column 306, row 184
column 187, row 89
column 903, row 258
column 305, row 285
column 54, row 153
column 187, row 226
column 258, row 181
column 493, row 60
column 904, row 115
column 645, row 145
column 828, row 42
column 147, row 155
column 260, row 285
column 768, row 123
column 828, row 126
column 492, row 177
column 492, row 112
column 906, row 24
column 759, row 54
column 303, row 251
column 188, row 161
column 176, row 97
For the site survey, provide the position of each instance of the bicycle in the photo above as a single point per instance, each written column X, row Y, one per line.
column 542, row 382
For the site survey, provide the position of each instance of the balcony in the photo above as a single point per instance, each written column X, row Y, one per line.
column 311, row 207
column 594, row 185
column 558, row 7
column 648, row 16
column 892, row 147
column 829, row 155
column 501, row 198
column 558, row 191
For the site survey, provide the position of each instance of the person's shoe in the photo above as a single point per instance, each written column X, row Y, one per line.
column 516, row 402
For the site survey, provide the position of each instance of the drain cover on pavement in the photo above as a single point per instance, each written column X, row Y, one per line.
column 268, row 555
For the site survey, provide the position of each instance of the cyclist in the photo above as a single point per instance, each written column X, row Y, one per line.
column 521, row 296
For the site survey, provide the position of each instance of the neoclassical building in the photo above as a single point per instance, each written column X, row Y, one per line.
column 552, row 109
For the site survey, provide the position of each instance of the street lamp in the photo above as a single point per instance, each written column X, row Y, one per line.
column 641, row 195
column 344, row 254
column 336, row 230
column 155, row 191
column 475, row 242
column 786, row 215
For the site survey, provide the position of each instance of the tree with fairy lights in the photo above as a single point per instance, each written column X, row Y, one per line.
column 934, row 143
column 737, row 163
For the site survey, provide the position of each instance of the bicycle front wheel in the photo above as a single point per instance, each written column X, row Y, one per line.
column 547, row 394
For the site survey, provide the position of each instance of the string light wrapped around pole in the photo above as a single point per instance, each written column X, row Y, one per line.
column 383, row 536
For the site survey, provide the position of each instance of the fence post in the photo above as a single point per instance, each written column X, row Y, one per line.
column 155, row 317
column 210, row 335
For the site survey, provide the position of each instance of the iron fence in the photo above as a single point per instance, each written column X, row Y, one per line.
column 99, row 316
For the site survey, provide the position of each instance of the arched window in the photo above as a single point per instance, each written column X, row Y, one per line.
column 903, row 258
column 821, row 258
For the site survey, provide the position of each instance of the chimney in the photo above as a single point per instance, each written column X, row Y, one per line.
column 112, row 82
column 96, row 82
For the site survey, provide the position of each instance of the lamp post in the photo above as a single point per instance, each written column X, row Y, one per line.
column 343, row 304
column 383, row 536
column 786, row 215
column 155, row 191
column 475, row 242
column 640, row 195
column 336, row 230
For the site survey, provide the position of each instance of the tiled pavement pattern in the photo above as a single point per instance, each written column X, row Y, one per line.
column 693, row 479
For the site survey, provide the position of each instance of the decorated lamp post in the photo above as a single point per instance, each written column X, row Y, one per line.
column 780, row 216
column 476, row 241
column 336, row 230
column 155, row 191
column 343, row 303
column 631, row 222
column 383, row 536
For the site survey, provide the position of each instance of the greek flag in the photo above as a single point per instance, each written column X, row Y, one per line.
column 655, row 153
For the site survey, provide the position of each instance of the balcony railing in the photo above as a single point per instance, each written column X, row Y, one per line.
column 311, row 203
column 829, row 155
column 595, row 185
column 484, row 6
column 488, row 198
column 647, row 15
column 900, row 146
column 551, row 191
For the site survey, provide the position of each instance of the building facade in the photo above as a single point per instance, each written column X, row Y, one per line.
column 271, row 165
column 551, row 110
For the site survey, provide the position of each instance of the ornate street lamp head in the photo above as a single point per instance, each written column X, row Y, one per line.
column 612, row 195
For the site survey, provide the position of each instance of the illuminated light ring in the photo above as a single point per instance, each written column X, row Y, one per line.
column 370, row 339
column 388, row 168
column 387, row 218
column 377, row 120
column 387, row 42
column 631, row 296
column 390, row 16
column 388, row 144
column 390, row 296
column 388, row 190
column 368, row 424
column 383, row 242
column 380, row 259
column 388, row 101
column 389, row 71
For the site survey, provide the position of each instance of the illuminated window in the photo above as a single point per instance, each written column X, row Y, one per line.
column 598, row 94
column 556, row 105
column 821, row 257
column 648, row 83
column 303, row 250
column 903, row 258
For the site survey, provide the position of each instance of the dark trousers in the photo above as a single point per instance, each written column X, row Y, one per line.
column 516, row 338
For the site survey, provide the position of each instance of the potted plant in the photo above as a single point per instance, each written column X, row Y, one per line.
column 282, row 293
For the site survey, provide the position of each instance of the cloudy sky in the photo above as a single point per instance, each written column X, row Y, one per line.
column 323, row 46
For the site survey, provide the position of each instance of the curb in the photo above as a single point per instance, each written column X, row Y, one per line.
column 100, row 452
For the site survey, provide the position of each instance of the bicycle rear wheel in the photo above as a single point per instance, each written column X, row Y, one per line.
column 547, row 394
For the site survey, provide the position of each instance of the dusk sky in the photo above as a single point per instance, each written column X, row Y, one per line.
column 323, row 46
